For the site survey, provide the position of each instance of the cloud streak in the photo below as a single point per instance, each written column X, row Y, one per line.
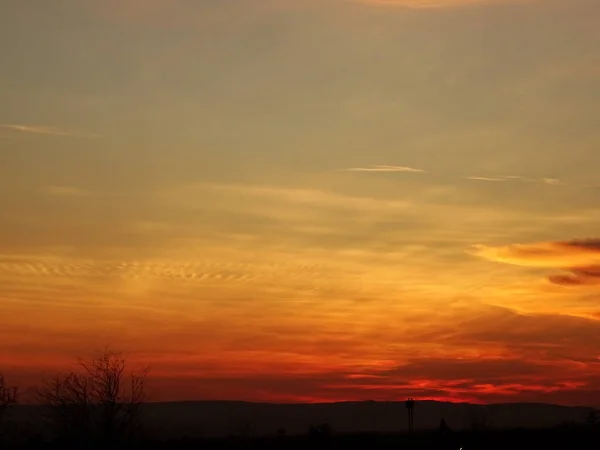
column 499, row 178
column 384, row 168
column 49, row 131
column 432, row 4
column 487, row 178
column 65, row 191
column 421, row 4
column 301, row 196
column 504, row 178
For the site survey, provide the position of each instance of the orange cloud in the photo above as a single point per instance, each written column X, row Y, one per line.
column 581, row 258
column 581, row 276
column 575, row 253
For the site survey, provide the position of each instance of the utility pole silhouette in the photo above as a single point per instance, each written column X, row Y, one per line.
column 410, row 406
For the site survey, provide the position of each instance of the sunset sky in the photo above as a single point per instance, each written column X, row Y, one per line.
column 302, row 200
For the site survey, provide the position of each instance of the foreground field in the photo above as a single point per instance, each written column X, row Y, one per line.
column 572, row 438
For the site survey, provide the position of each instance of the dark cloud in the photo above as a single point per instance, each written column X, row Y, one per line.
column 579, row 276
column 590, row 244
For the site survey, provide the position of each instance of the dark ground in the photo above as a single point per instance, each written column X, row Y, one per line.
column 347, row 425
column 219, row 419
column 567, row 438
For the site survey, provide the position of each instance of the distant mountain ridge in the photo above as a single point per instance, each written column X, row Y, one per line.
column 221, row 418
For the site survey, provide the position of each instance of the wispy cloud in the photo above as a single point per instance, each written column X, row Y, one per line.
column 518, row 178
column 581, row 258
column 498, row 178
column 304, row 196
column 384, row 168
column 487, row 178
column 429, row 4
column 544, row 254
column 65, row 191
column 50, row 131
column 553, row 181
column 420, row 4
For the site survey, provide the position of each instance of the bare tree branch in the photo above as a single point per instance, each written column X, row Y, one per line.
column 8, row 398
column 102, row 399
column 68, row 404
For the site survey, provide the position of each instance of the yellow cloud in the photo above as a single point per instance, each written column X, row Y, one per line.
column 544, row 254
column 579, row 258
column 51, row 131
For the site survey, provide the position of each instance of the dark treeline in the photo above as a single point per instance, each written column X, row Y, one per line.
column 99, row 405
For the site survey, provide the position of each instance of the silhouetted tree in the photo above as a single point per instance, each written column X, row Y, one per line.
column 8, row 398
column 101, row 401
column 118, row 397
column 68, row 405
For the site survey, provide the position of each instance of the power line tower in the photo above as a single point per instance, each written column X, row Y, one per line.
column 410, row 407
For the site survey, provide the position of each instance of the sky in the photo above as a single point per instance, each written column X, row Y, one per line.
column 303, row 201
